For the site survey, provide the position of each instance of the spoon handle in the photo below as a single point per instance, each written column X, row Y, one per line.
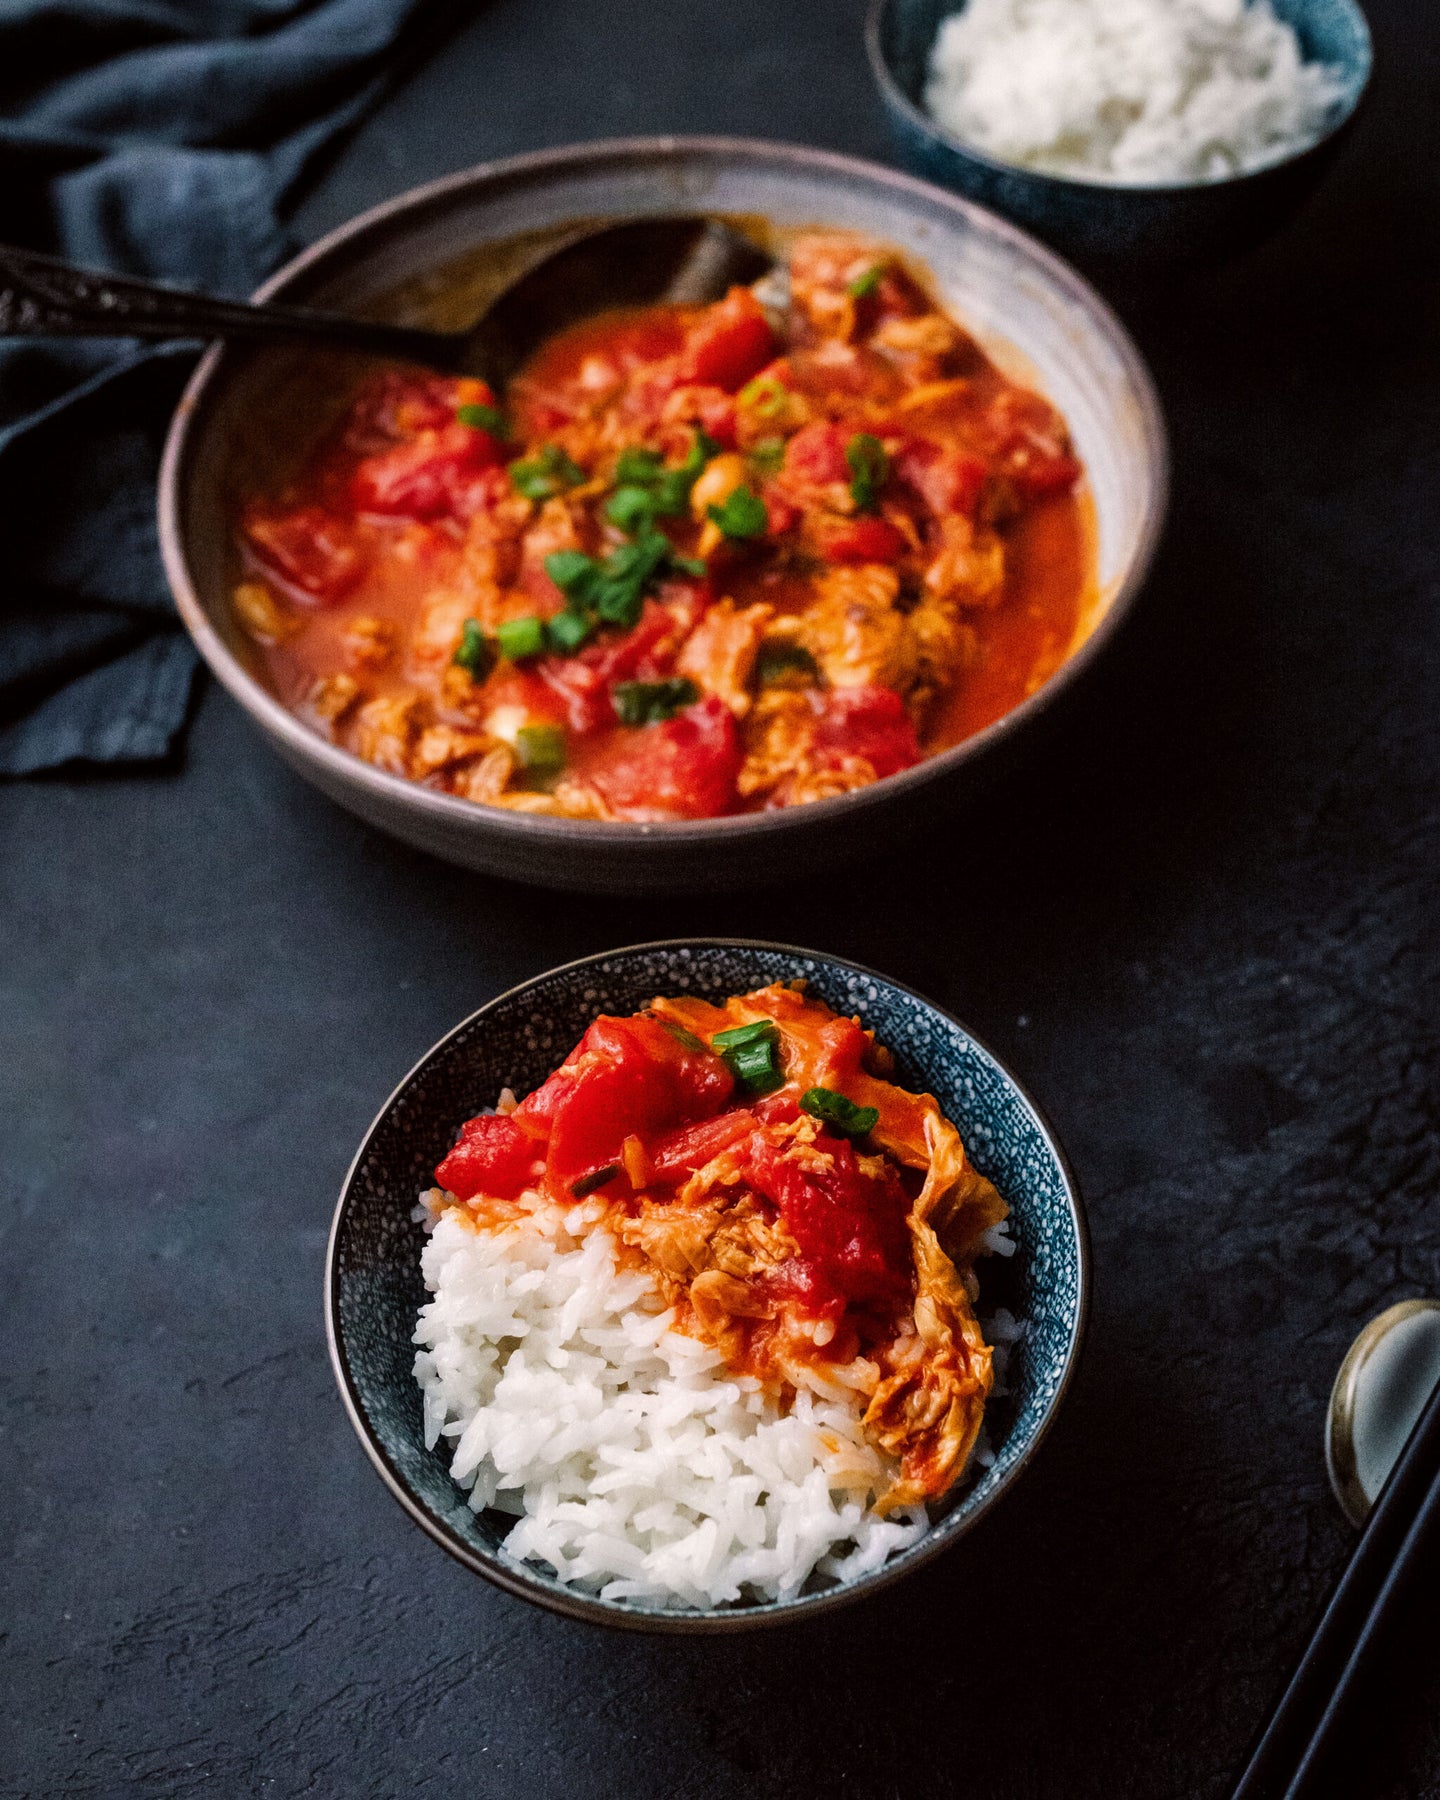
column 43, row 297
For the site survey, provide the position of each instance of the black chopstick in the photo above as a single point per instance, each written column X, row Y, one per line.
column 1289, row 1757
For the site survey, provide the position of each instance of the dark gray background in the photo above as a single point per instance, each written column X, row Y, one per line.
column 1202, row 930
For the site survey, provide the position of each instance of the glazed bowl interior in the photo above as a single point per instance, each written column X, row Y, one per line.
column 374, row 1288
column 433, row 256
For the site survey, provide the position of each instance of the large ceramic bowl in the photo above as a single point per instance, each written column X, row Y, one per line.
column 1109, row 225
column 374, row 1289
column 243, row 406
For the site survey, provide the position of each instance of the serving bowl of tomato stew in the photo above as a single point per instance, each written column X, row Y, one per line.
column 719, row 592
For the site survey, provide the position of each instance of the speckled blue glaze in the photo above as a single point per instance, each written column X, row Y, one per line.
column 374, row 1289
column 1099, row 224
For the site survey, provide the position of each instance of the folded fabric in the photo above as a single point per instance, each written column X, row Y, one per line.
column 157, row 138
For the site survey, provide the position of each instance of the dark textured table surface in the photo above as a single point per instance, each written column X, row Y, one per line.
column 1203, row 931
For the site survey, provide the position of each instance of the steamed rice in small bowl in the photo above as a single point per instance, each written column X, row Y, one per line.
column 583, row 1421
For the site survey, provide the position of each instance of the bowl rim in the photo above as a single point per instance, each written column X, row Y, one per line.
column 896, row 97
column 589, row 1607
column 307, row 748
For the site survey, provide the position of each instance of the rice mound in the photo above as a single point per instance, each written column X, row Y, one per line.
column 1129, row 91
column 639, row 1466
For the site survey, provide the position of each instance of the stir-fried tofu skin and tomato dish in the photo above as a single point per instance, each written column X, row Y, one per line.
column 796, row 1206
column 700, row 561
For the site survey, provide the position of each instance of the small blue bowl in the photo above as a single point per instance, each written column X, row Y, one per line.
column 1101, row 223
column 373, row 1287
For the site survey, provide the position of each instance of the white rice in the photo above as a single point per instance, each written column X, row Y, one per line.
column 1129, row 91
column 638, row 1466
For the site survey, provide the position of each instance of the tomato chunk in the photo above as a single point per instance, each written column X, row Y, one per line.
column 682, row 769
column 628, row 1076
column 675, row 1157
column 309, row 549
column 731, row 342
column 427, row 476
column 861, row 540
column 850, row 1226
column 815, row 456
column 583, row 682
column 947, row 481
column 494, row 1157
column 867, row 721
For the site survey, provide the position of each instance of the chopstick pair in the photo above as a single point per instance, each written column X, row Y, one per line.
column 1292, row 1757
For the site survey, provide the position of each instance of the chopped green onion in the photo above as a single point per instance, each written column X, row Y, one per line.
column 869, row 469
column 474, row 652
column 864, row 285
column 752, row 1055
column 568, row 631
column 546, row 474
column 768, row 455
column 838, row 1113
column 541, row 748
column 638, row 468
column 626, row 573
column 779, row 659
column 519, row 638
column 689, row 565
column 742, row 514
column 650, row 702
column 766, row 395
column 682, row 1036
column 646, row 490
column 629, row 507
column 597, row 1178
column 759, row 1031
column 485, row 418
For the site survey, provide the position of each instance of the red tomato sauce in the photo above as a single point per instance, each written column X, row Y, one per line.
column 701, row 560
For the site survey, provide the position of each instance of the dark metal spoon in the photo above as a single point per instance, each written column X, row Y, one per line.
column 685, row 260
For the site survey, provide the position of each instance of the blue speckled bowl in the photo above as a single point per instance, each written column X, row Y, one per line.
column 1100, row 223
column 373, row 1288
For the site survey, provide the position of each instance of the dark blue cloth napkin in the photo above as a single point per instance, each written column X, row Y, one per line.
column 157, row 138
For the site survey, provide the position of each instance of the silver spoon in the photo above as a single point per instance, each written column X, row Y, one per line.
column 686, row 260
column 1388, row 1374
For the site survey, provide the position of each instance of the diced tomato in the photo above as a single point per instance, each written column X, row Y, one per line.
column 947, row 481
column 628, row 1076
column 399, row 402
column 676, row 1156
column 494, row 1157
column 684, row 768
column 850, row 1225
column 583, row 682
column 867, row 721
column 711, row 408
column 427, row 476
column 730, row 342
column 815, row 456
column 1031, row 441
column 862, row 539
column 777, row 1109
column 309, row 549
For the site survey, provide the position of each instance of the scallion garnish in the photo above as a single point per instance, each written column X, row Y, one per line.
column 752, row 1055
column 650, row 702
column 541, row 748
column 766, row 395
column 597, row 1178
column 549, row 472
column 741, row 514
column 838, row 1113
column 519, row 638
column 869, row 469
column 568, row 631
column 646, row 490
column 474, row 652
column 485, row 418
column 778, row 660
column 768, row 455
column 865, row 284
